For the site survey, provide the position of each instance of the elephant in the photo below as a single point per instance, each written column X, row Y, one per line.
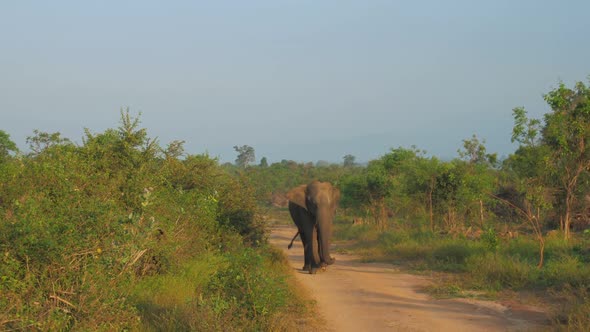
column 312, row 208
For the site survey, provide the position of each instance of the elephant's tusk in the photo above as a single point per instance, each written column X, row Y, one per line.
column 294, row 237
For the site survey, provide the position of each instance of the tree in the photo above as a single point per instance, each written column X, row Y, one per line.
column 245, row 155
column 42, row 141
column 446, row 192
column 532, row 178
column 525, row 131
column 474, row 152
column 477, row 180
column 423, row 180
column 529, row 160
column 349, row 160
column 379, row 188
column 567, row 135
column 368, row 190
column 6, row 145
column 174, row 150
column 263, row 162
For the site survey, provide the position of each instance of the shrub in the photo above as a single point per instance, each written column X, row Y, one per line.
column 451, row 256
column 362, row 233
column 82, row 224
column 567, row 271
column 497, row 272
column 574, row 312
column 392, row 238
column 523, row 249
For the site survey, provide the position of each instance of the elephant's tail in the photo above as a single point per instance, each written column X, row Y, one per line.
column 294, row 237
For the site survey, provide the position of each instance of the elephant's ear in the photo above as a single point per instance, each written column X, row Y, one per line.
column 297, row 196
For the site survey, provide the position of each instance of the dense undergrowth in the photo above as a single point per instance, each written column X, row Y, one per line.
column 119, row 234
column 488, row 264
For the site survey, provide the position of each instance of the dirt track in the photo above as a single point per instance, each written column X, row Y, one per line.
column 354, row 296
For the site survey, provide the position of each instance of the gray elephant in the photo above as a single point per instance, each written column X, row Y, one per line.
column 312, row 208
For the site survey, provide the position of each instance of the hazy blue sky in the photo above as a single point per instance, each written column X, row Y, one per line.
column 302, row 80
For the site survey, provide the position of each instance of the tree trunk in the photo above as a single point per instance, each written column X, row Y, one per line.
column 570, row 198
column 569, row 202
column 541, row 252
column 431, row 211
column 566, row 224
column 382, row 216
column 561, row 226
column 481, row 212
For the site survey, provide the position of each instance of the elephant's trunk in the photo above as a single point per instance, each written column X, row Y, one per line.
column 324, row 224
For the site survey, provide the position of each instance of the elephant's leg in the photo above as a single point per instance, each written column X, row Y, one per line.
column 316, row 249
column 323, row 263
column 304, row 222
column 306, row 262
column 309, row 249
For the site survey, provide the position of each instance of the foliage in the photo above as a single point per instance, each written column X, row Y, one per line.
column 348, row 160
column 6, row 146
column 274, row 181
column 567, row 134
column 466, row 214
column 474, row 152
column 246, row 155
column 118, row 231
column 234, row 290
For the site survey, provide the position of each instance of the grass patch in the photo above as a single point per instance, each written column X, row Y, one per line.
column 573, row 313
column 249, row 290
column 496, row 272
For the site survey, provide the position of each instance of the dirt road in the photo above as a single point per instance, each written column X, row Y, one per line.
column 354, row 296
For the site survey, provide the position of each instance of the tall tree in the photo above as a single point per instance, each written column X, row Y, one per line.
column 245, row 155
column 567, row 134
column 42, row 140
column 474, row 151
column 528, row 163
column 477, row 182
column 6, row 145
column 379, row 188
column 349, row 160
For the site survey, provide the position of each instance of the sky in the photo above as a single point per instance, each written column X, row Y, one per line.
column 297, row 80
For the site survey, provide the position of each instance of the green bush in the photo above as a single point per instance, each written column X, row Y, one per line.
column 567, row 271
column 119, row 234
column 392, row 238
column 498, row 272
column 574, row 312
column 522, row 248
column 408, row 251
column 422, row 236
column 451, row 256
column 362, row 233
column 244, row 282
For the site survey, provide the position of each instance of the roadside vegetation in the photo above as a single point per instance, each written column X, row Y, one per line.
column 120, row 234
column 520, row 224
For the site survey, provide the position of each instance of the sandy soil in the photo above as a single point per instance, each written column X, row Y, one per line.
column 354, row 296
